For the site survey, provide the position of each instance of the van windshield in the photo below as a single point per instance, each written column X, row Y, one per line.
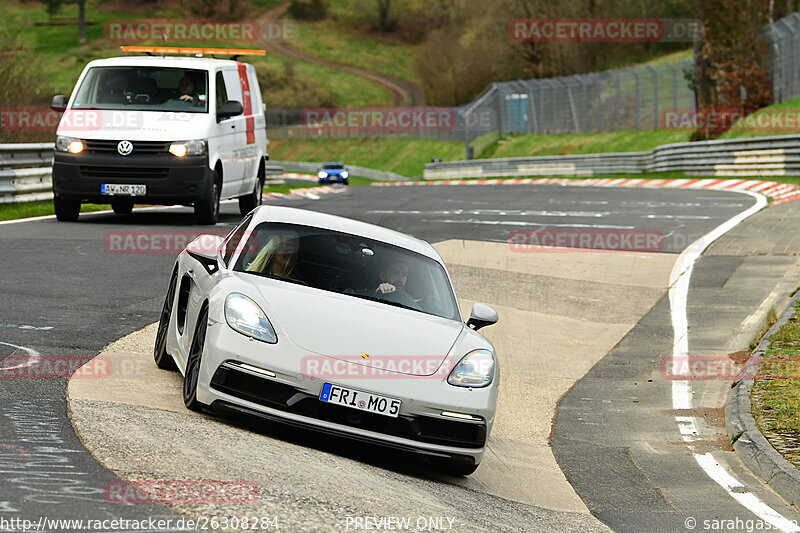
column 138, row 88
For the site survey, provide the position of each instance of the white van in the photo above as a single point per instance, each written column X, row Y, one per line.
column 161, row 130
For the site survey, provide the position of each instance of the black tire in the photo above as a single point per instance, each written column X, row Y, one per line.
column 346, row 182
column 164, row 360
column 453, row 467
column 122, row 206
column 192, row 373
column 248, row 202
column 66, row 210
column 206, row 211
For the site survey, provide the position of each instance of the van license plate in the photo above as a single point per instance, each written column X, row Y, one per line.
column 123, row 190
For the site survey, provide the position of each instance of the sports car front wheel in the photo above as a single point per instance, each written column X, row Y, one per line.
column 164, row 360
column 192, row 374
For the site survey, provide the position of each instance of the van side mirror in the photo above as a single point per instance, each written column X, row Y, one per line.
column 59, row 103
column 481, row 315
column 231, row 108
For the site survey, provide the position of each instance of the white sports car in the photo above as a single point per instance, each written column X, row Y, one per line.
column 335, row 325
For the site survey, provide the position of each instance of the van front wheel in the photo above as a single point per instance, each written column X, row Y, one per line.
column 248, row 202
column 206, row 210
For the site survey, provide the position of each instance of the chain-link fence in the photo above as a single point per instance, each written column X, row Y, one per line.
column 643, row 97
column 635, row 98
column 783, row 37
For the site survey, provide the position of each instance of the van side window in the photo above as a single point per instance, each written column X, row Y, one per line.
column 222, row 94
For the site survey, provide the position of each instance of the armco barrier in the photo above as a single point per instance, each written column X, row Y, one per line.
column 25, row 172
column 758, row 156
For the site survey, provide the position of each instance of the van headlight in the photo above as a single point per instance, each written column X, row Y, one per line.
column 182, row 148
column 476, row 369
column 69, row 144
column 245, row 316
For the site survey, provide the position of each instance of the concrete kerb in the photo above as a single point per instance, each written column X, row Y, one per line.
column 750, row 445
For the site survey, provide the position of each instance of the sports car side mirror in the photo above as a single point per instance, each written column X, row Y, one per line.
column 205, row 246
column 481, row 315
column 205, row 249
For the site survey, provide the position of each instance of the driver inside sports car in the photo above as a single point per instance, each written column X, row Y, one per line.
column 278, row 257
column 393, row 277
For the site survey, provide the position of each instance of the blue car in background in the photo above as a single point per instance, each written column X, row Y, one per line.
column 333, row 172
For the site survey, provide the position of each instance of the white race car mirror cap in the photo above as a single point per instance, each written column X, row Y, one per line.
column 482, row 315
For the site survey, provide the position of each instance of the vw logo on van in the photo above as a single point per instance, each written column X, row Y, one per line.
column 125, row 147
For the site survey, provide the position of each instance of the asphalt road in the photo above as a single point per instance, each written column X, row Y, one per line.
column 66, row 293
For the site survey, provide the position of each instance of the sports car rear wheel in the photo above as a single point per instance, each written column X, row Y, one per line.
column 192, row 374
column 164, row 360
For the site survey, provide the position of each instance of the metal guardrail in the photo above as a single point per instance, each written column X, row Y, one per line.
column 26, row 171
column 758, row 156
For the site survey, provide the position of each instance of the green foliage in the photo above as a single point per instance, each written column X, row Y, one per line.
column 308, row 9
column 288, row 89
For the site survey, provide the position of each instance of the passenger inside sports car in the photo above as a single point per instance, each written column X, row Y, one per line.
column 278, row 258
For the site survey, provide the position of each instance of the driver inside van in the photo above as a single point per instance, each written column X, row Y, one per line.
column 186, row 89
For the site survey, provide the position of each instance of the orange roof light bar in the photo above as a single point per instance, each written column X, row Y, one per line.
column 204, row 51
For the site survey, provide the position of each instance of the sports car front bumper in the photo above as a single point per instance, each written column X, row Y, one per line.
column 285, row 392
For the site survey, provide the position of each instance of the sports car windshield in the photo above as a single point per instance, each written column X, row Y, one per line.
column 348, row 264
column 144, row 89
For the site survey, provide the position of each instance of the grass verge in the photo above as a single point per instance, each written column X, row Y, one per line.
column 39, row 209
column 776, row 391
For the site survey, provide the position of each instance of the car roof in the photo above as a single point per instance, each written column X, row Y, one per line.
column 201, row 63
column 333, row 163
column 290, row 215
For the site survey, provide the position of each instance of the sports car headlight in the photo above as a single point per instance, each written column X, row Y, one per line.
column 322, row 174
column 68, row 144
column 245, row 316
column 475, row 369
column 344, row 174
column 182, row 148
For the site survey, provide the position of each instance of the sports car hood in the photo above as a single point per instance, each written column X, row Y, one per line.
column 360, row 331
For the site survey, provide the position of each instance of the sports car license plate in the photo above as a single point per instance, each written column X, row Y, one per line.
column 123, row 190
column 363, row 401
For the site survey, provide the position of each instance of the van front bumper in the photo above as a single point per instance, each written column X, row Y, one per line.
column 169, row 179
